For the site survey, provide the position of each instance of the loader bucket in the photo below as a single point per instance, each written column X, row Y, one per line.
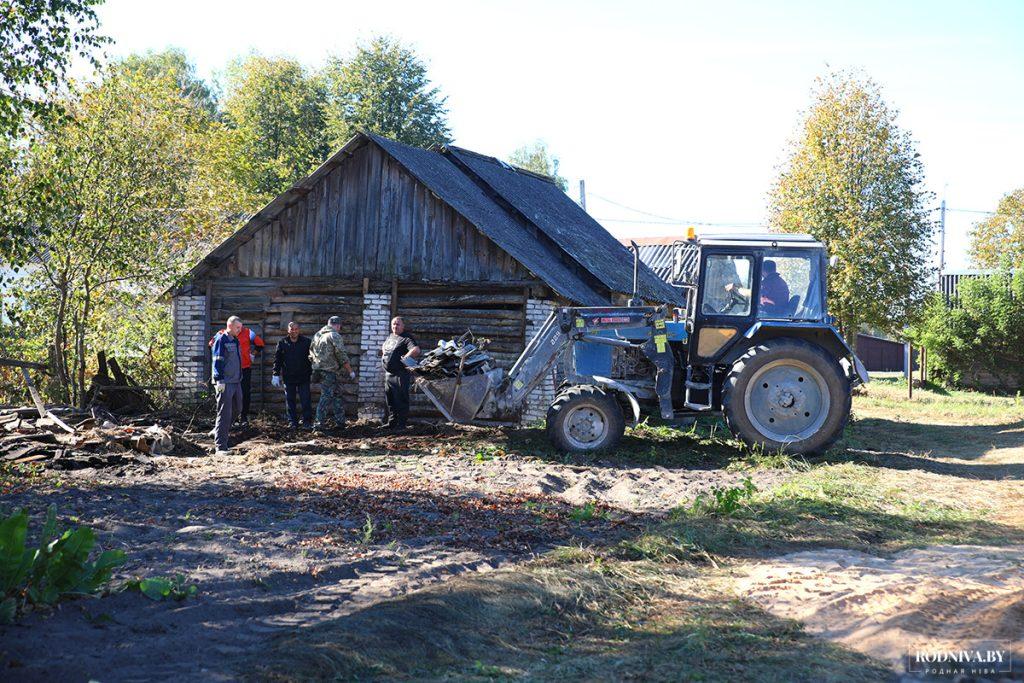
column 458, row 399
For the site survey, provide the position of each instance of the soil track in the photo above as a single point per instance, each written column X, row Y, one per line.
column 290, row 531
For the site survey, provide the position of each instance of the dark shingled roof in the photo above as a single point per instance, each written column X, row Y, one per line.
column 525, row 214
column 465, row 196
column 565, row 222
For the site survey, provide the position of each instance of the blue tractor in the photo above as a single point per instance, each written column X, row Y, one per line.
column 754, row 344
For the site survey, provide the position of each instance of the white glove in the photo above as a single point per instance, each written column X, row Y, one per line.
column 352, row 375
column 220, row 385
column 276, row 381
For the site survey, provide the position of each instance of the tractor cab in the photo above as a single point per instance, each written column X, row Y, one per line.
column 737, row 282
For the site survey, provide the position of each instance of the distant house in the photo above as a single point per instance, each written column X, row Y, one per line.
column 450, row 239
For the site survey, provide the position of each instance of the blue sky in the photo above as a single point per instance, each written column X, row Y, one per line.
column 677, row 109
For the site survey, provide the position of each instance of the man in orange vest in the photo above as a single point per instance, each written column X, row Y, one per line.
column 250, row 345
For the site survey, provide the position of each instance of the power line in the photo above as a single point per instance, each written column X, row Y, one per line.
column 668, row 220
column 680, row 223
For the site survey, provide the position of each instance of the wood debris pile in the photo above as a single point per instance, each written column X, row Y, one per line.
column 94, row 440
column 454, row 357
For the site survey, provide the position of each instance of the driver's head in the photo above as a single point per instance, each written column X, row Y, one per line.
column 768, row 267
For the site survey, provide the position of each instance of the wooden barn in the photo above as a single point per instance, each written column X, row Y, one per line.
column 450, row 239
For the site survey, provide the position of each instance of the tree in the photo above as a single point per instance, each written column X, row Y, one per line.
column 118, row 203
column 174, row 64
column 999, row 239
column 976, row 343
column 275, row 113
column 38, row 41
column 384, row 89
column 853, row 179
column 536, row 157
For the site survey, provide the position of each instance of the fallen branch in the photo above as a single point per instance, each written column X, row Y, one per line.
column 38, row 400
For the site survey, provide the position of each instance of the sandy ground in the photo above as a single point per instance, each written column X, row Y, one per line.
column 939, row 597
column 284, row 534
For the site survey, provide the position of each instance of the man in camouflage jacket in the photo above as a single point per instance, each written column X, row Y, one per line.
column 329, row 358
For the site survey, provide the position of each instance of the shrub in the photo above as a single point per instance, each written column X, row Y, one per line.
column 978, row 343
column 59, row 567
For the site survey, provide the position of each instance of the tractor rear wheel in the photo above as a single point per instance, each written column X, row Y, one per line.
column 787, row 394
column 585, row 418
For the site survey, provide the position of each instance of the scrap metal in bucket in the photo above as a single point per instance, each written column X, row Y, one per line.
column 455, row 376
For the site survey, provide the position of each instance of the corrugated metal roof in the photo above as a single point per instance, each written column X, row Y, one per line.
column 659, row 255
column 574, row 231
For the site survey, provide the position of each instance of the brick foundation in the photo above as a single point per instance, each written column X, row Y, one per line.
column 376, row 328
column 190, row 337
column 538, row 400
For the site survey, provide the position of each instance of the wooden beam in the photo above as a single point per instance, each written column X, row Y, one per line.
column 24, row 364
column 394, row 298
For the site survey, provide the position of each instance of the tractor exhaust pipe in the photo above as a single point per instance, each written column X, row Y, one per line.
column 635, row 299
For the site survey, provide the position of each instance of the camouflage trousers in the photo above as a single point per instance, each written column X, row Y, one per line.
column 331, row 403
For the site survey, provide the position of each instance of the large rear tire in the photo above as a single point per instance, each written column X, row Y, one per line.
column 585, row 418
column 787, row 394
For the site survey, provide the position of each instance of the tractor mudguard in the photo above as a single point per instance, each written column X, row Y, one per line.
column 606, row 383
column 825, row 336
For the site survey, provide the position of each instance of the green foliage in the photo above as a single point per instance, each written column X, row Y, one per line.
column 39, row 39
column 384, row 89
column 589, row 511
column 158, row 588
column 58, row 567
column 174, row 64
column 724, row 501
column 537, row 158
column 998, row 241
column 275, row 112
column 980, row 339
column 124, row 194
column 854, row 180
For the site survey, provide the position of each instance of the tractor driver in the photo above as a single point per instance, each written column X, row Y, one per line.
column 774, row 290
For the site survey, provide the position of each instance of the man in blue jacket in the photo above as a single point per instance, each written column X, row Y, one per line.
column 227, row 380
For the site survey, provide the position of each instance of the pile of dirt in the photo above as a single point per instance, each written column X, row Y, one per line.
column 67, row 439
column 939, row 597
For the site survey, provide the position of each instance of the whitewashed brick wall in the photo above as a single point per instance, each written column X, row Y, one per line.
column 190, row 336
column 376, row 328
column 538, row 400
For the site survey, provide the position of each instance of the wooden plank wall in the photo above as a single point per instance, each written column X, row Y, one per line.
column 370, row 218
column 433, row 313
column 268, row 304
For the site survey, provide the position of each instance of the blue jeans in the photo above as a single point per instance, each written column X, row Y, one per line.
column 290, row 390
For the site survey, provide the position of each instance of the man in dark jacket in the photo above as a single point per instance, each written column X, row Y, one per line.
column 398, row 347
column 774, row 291
column 292, row 366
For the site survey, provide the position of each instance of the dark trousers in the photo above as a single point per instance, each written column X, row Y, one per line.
column 290, row 390
column 396, row 394
column 246, row 394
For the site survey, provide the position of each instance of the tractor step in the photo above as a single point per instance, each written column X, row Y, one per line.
column 703, row 386
column 700, row 407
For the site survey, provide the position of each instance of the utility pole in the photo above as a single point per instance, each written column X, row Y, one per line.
column 942, row 240
column 583, row 194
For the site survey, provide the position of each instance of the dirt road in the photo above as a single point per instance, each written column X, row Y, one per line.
column 290, row 531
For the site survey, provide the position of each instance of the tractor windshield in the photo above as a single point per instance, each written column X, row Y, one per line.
column 790, row 285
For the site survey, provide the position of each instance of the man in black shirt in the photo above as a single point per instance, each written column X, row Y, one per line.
column 397, row 378
column 291, row 363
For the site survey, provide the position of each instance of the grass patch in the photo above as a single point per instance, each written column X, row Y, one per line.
column 568, row 619
column 837, row 506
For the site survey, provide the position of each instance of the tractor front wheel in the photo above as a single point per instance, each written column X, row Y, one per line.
column 585, row 418
column 787, row 394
